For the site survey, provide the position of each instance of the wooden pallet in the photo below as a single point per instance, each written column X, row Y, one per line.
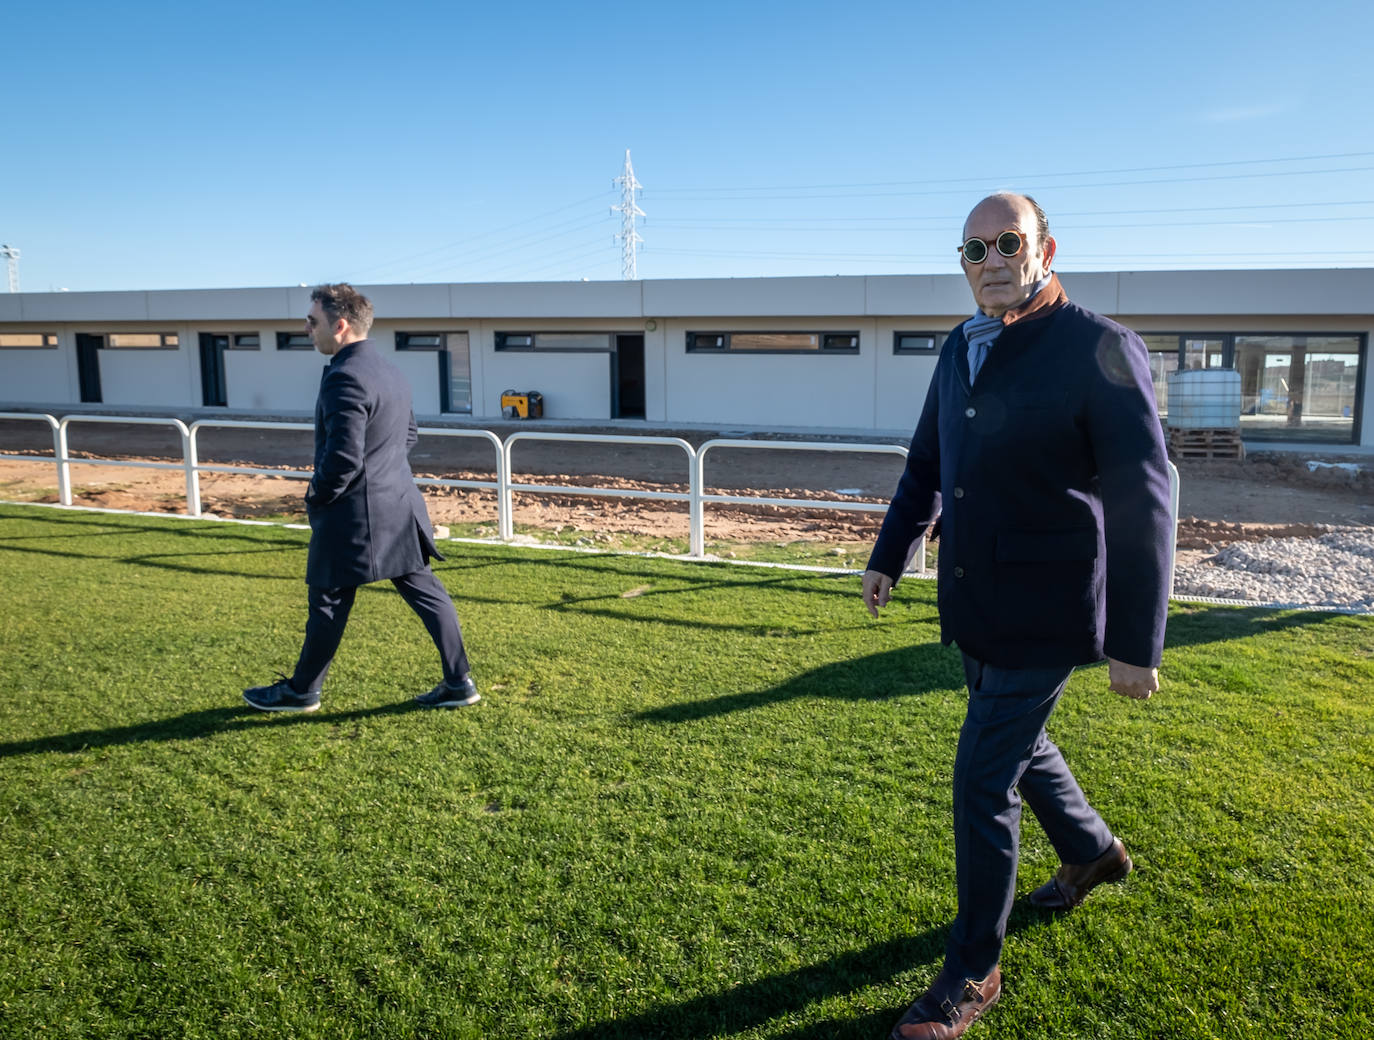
column 1210, row 443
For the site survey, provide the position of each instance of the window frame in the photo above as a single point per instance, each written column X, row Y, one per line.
column 402, row 342
column 936, row 339
column 107, row 341
column 284, row 342
column 50, row 341
column 501, row 344
column 821, row 349
column 1228, row 362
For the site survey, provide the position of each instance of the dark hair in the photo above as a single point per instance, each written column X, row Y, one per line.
column 341, row 300
column 1042, row 222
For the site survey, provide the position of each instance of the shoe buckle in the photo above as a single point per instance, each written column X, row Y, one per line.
column 950, row 1011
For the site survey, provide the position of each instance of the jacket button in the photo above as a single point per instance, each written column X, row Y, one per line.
column 969, row 413
column 958, row 572
column 958, row 492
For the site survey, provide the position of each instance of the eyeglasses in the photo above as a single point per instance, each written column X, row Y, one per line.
column 1008, row 243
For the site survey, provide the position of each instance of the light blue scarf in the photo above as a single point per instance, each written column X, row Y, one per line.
column 981, row 333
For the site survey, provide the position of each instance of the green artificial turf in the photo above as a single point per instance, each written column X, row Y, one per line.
column 696, row 800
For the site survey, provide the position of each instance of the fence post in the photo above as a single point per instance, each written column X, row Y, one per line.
column 188, row 455
column 64, row 466
column 505, row 521
column 1173, row 517
column 696, row 512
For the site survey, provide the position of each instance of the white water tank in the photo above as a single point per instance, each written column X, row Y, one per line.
column 1204, row 398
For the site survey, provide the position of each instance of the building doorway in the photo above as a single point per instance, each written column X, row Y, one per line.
column 214, row 391
column 627, row 377
column 88, row 366
column 455, row 365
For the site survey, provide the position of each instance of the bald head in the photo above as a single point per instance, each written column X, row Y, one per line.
column 999, row 282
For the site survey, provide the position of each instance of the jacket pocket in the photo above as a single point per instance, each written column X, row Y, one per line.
column 1047, row 584
column 1077, row 543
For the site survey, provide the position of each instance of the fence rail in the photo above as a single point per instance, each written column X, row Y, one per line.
column 503, row 485
column 699, row 466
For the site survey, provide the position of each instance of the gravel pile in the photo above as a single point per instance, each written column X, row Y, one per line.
column 1335, row 570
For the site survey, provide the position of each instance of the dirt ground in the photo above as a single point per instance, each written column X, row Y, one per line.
column 1265, row 495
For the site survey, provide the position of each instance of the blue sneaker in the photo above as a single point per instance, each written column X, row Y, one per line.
column 446, row 696
column 281, row 696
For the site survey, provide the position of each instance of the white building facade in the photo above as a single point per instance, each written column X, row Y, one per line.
column 838, row 353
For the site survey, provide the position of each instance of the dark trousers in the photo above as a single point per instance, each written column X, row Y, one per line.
column 329, row 609
column 1004, row 757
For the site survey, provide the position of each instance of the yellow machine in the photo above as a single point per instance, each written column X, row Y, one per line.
column 522, row 404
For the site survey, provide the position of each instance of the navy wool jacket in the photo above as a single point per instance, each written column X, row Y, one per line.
column 368, row 520
column 1049, row 477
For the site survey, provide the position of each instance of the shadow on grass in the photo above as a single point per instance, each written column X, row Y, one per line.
column 193, row 725
column 247, row 542
column 754, row 1004
column 160, row 560
column 137, row 525
column 1192, row 624
column 904, row 672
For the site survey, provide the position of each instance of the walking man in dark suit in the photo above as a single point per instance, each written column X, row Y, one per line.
column 368, row 520
column 1040, row 451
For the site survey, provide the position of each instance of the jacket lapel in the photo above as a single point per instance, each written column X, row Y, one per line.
column 1024, row 325
column 960, row 348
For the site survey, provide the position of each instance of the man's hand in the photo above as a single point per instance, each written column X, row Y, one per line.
column 1129, row 680
column 877, row 591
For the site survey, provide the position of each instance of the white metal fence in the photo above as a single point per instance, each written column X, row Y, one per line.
column 695, row 497
column 503, row 485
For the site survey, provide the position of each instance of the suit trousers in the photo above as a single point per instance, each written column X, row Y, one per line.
column 1004, row 756
column 329, row 609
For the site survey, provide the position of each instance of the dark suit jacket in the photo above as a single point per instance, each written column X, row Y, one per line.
column 368, row 520
column 1050, row 478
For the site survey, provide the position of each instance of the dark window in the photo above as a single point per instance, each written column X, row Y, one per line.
column 419, row 340
column 575, row 342
column 915, row 342
column 294, row 341
column 248, row 341
column 28, row 341
column 772, row 342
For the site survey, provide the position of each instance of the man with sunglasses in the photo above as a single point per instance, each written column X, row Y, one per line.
column 368, row 520
column 1040, row 461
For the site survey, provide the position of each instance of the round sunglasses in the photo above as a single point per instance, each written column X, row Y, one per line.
column 1008, row 243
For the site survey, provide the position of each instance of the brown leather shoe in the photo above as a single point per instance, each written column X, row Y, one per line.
column 1071, row 884
column 929, row 1019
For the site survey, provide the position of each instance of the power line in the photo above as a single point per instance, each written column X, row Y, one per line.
column 767, row 223
column 566, row 261
column 527, row 242
column 900, row 229
column 1032, row 188
column 942, row 256
column 563, row 252
column 459, row 243
column 1034, row 176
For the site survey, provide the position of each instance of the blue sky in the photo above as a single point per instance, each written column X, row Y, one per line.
column 165, row 145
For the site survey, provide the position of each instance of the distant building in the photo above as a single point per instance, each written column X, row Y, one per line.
column 839, row 353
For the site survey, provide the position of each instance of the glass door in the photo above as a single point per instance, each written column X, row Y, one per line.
column 1202, row 352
